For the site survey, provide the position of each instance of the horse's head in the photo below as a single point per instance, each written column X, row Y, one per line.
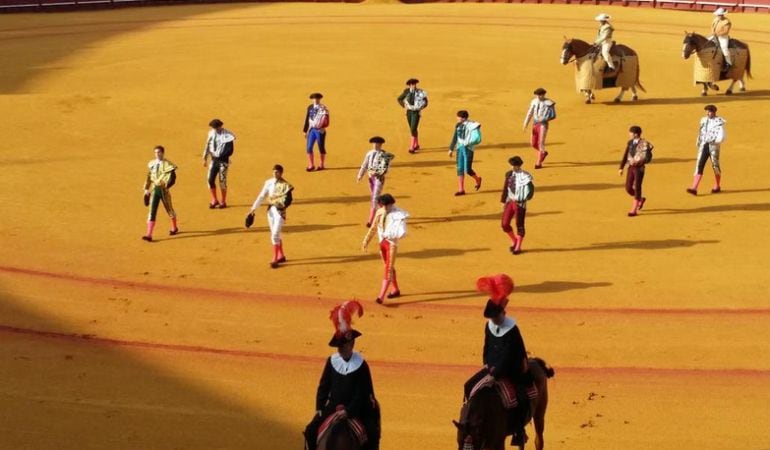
column 566, row 51
column 688, row 45
column 468, row 436
column 694, row 42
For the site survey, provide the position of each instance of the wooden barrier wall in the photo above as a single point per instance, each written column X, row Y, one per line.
column 691, row 5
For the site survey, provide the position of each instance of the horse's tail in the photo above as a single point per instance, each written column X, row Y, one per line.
column 548, row 370
column 638, row 82
column 748, row 62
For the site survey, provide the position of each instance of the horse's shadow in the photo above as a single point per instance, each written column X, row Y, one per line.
column 762, row 94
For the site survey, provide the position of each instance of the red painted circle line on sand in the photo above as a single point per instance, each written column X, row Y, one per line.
column 224, row 294
column 400, row 365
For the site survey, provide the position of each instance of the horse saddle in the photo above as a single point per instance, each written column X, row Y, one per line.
column 731, row 43
column 355, row 425
column 506, row 389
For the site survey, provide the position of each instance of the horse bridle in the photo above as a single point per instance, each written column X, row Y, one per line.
column 468, row 442
column 573, row 57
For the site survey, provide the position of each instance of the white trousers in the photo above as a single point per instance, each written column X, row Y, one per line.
column 606, row 46
column 275, row 222
column 724, row 41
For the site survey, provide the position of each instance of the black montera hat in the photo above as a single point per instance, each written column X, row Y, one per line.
column 711, row 108
column 338, row 341
column 317, row 95
column 540, row 91
column 412, row 81
column 377, row 140
column 386, row 199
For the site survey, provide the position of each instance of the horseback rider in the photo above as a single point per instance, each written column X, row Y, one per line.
column 604, row 38
column 720, row 33
column 505, row 356
column 346, row 386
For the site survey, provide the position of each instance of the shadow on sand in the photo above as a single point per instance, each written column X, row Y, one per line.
column 343, row 199
column 696, row 99
column 712, row 209
column 302, row 228
column 540, row 288
column 415, row 254
column 473, row 217
column 615, row 163
column 660, row 244
column 69, row 389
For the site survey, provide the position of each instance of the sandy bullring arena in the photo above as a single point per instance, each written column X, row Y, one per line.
column 658, row 326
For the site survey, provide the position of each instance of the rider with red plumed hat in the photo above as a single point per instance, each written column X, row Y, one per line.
column 505, row 356
column 346, row 390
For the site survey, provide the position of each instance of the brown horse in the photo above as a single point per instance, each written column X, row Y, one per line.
column 483, row 419
column 590, row 66
column 708, row 64
column 341, row 438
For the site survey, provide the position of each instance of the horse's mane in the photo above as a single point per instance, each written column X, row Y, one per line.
column 710, row 43
column 579, row 41
column 700, row 39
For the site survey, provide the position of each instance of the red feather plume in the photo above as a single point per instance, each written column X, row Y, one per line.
column 342, row 316
column 497, row 286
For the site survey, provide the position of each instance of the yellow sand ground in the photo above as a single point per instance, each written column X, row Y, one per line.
column 657, row 326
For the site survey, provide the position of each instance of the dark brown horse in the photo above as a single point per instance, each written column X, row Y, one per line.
column 584, row 54
column 341, row 437
column 709, row 62
column 483, row 419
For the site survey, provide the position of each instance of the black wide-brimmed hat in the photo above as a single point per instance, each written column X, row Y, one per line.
column 342, row 317
column 338, row 341
column 317, row 95
column 493, row 309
